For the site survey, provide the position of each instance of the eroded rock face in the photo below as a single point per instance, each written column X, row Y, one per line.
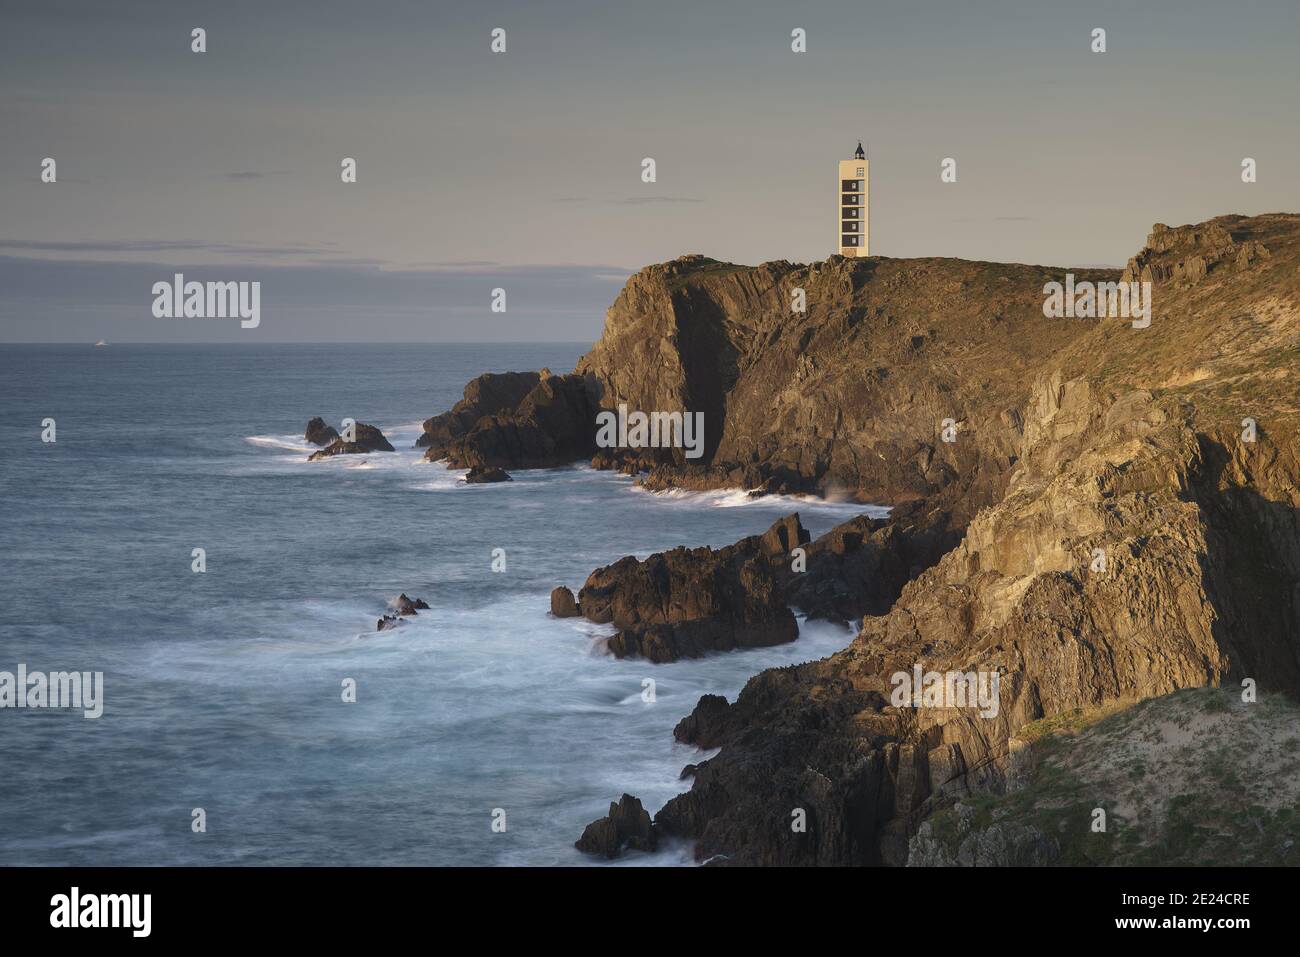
column 368, row 439
column 848, row 398
column 1187, row 254
column 627, row 826
column 1118, row 539
column 1027, row 595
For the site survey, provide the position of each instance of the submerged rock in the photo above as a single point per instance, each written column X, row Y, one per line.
column 409, row 606
column 482, row 474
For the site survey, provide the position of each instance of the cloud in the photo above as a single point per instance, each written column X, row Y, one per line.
column 44, row 299
column 255, row 174
column 629, row 200
column 996, row 219
column 643, row 200
column 127, row 246
column 454, row 264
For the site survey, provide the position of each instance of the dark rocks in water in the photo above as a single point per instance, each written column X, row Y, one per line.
column 480, row 474
column 368, row 439
column 627, row 826
column 554, row 423
column 404, row 607
column 683, row 584
column 563, row 604
column 318, row 433
column 409, row 606
column 489, row 394
column 685, row 602
column 688, row 602
column 667, row 642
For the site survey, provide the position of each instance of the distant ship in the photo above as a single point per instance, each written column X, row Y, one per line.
column 101, row 342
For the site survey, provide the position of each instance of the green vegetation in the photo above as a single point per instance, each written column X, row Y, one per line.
column 1197, row 777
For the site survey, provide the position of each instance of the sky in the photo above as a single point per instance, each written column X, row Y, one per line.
column 522, row 170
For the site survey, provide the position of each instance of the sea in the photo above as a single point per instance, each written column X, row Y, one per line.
column 251, row 712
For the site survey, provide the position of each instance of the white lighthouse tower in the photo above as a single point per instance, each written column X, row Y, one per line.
column 854, row 204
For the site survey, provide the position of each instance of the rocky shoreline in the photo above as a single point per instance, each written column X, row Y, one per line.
column 1093, row 512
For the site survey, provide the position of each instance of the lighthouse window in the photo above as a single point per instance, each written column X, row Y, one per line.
column 848, row 240
column 851, row 213
column 848, row 227
column 849, row 185
column 862, row 172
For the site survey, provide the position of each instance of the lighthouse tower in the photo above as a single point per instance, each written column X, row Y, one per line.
column 853, row 205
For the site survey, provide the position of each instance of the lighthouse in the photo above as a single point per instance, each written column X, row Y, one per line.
column 853, row 204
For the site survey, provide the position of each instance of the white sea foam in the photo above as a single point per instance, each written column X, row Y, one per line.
column 742, row 498
column 498, row 703
column 291, row 442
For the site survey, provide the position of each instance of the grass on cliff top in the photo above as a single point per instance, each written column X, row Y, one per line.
column 712, row 271
column 1197, row 777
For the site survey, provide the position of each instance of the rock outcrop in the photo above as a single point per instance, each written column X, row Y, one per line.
column 367, row 439
column 554, row 423
column 687, row 602
column 563, row 604
column 627, row 826
column 490, row 394
column 318, row 433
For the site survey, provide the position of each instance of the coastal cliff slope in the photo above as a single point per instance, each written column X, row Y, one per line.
column 1120, row 505
column 1134, row 532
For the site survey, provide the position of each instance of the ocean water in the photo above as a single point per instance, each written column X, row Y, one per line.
column 223, row 690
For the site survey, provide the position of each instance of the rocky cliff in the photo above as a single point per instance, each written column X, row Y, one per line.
column 1143, row 537
column 1116, row 506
